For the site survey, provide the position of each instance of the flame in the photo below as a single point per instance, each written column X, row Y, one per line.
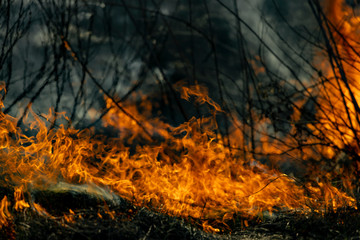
column 327, row 144
column 5, row 215
column 70, row 217
column 199, row 92
column 40, row 210
column 196, row 175
column 337, row 122
column 189, row 171
column 19, row 199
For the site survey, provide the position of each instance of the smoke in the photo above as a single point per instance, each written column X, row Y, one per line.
column 154, row 45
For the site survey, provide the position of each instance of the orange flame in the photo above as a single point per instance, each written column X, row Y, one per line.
column 5, row 215
column 40, row 210
column 70, row 217
column 19, row 199
column 337, row 119
column 189, row 172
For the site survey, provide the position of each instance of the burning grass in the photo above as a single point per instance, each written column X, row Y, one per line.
column 188, row 173
column 82, row 216
column 76, row 181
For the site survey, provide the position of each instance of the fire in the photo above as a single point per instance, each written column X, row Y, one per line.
column 5, row 215
column 187, row 170
column 190, row 173
column 326, row 143
column 337, row 123
column 40, row 210
column 70, row 217
column 340, row 94
column 20, row 202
